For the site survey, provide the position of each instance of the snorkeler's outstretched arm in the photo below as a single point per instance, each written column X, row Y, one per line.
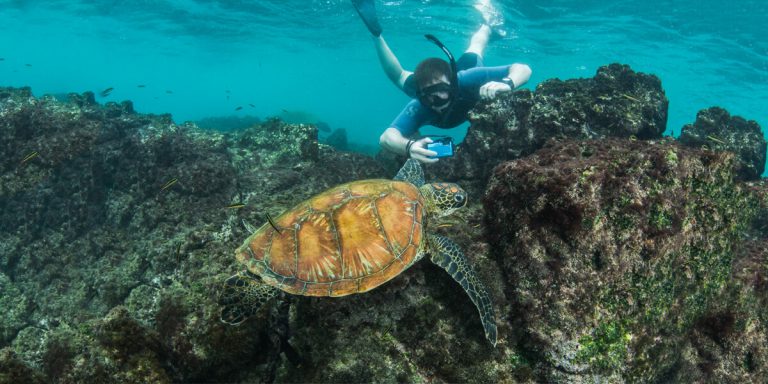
column 390, row 63
column 515, row 76
column 519, row 74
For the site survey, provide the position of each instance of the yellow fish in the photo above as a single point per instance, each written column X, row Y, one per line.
column 29, row 157
column 169, row 184
column 715, row 139
column 630, row 97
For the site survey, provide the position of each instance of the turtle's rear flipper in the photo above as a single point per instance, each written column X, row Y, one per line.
column 242, row 295
column 448, row 255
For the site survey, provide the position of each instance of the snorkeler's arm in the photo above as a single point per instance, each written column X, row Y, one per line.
column 394, row 141
column 390, row 63
column 495, row 80
column 519, row 74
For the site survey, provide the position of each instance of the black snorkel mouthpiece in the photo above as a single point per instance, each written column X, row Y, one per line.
column 454, row 87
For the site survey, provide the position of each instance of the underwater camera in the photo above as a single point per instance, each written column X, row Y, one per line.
column 443, row 145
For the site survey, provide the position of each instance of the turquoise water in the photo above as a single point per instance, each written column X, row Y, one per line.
column 206, row 58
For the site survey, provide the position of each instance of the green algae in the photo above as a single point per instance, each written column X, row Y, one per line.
column 683, row 282
column 606, row 348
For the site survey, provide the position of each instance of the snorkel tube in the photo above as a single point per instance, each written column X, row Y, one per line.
column 451, row 60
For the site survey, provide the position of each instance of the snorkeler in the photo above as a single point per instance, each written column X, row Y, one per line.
column 442, row 91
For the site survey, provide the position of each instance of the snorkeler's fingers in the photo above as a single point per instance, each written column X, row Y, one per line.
column 422, row 154
column 490, row 89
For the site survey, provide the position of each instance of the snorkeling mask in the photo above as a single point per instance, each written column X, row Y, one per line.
column 429, row 95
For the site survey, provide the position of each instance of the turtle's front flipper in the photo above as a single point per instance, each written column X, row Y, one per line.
column 242, row 295
column 411, row 172
column 448, row 255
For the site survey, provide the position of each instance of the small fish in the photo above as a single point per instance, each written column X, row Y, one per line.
column 238, row 108
column 141, row 86
column 476, row 226
column 27, row 65
column 2, row 58
column 106, row 92
column 705, row 147
column 227, row 91
column 715, row 139
column 248, row 227
column 632, row 138
column 445, row 225
column 630, row 97
column 169, row 92
column 29, row 157
column 272, row 223
column 284, row 110
column 235, row 206
column 252, row 106
column 178, row 254
column 169, row 184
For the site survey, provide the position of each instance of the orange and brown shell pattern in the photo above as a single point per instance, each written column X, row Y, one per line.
column 349, row 239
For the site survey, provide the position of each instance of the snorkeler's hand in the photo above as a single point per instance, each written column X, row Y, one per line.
column 491, row 89
column 418, row 151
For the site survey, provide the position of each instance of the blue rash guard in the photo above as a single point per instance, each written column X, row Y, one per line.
column 415, row 115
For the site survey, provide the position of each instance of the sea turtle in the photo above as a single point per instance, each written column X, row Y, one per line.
column 351, row 239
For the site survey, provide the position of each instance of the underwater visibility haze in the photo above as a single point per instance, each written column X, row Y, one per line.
column 605, row 222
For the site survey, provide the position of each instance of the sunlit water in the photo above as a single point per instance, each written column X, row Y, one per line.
column 206, row 58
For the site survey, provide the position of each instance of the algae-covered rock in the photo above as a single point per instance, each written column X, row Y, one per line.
column 15, row 370
column 729, row 344
column 716, row 129
column 16, row 308
column 760, row 189
column 614, row 250
column 277, row 141
column 338, row 139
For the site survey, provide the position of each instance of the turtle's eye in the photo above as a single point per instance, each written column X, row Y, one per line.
column 458, row 198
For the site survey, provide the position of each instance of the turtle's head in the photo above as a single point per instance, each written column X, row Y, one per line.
column 443, row 198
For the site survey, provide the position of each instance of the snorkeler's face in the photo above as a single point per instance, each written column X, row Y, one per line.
column 437, row 94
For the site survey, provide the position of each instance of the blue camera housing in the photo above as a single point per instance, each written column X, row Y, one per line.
column 443, row 146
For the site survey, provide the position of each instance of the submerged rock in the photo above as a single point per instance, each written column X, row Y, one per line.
column 15, row 370
column 716, row 129
column 614, row 251
column 338, row 139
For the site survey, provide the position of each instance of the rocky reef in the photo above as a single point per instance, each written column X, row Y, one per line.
column 742, row 137
column 611, row 253
column 614, row 250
